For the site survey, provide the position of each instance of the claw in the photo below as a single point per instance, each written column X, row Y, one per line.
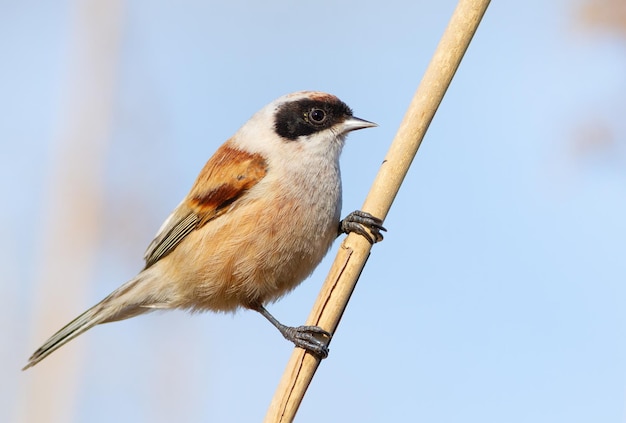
column 360, row 222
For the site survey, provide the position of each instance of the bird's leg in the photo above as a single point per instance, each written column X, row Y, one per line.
column 360, row 222
column 302, row 336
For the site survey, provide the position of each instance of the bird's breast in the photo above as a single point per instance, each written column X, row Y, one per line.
column 262, row 247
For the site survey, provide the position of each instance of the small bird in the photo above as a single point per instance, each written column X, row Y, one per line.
column 259, row 218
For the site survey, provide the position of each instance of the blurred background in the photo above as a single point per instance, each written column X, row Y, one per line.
column 497, row 295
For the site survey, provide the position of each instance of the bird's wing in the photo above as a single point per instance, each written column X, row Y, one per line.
column 226, row 177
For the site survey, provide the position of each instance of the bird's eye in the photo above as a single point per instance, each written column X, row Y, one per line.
column 317, row 115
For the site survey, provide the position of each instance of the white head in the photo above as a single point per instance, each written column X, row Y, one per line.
column 309, row 122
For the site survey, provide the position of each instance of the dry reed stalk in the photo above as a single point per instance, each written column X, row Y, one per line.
column 354, row 251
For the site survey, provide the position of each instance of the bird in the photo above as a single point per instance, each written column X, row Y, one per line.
column 261, row 215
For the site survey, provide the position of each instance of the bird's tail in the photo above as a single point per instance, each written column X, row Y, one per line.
column 131, row 299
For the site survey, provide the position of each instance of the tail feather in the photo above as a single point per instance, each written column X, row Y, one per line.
column 128, row 300
column 81, row 324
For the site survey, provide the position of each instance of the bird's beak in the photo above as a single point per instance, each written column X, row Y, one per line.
column 354, row 123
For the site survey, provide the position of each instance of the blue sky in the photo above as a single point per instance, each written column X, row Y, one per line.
column 497, row 294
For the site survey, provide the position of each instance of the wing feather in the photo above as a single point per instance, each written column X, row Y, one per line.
column 226, row 177
column 170, row 237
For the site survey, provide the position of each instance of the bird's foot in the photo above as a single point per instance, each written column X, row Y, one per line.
column 308, row 338
column 363, row 224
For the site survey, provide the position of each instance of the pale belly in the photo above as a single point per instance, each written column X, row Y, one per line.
column 249, row 256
